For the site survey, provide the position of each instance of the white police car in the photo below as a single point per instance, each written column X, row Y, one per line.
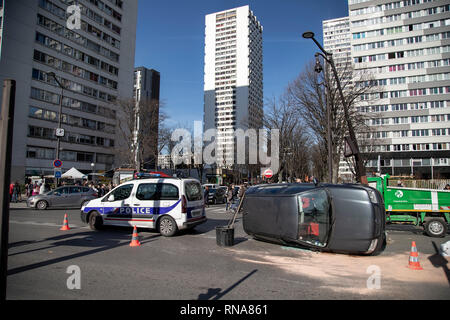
column 164, row 204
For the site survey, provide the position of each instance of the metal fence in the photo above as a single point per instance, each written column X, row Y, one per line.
column 436, row 184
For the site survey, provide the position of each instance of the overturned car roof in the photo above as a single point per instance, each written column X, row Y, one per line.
column 279, row 189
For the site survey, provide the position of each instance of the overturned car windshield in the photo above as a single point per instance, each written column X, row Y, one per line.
column 314, row 217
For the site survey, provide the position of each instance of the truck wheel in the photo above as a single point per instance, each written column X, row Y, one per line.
column 436, row 228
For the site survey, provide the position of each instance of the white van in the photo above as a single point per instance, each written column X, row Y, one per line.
column 210, row 185
column 164, row 204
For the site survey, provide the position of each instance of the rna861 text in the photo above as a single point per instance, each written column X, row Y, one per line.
column 246, row 309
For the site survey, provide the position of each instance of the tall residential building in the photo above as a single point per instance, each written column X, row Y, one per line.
column 94, row 62
column 405, row 46
column 146, row 84
column 146, row 92
column 233, row 76
column 336, row 40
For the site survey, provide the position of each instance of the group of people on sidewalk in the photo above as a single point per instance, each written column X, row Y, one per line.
column 36, row 188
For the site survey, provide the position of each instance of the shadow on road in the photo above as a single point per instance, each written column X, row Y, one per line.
column 98, row 241
column 208, row 226
column 217, row 293
column 439, row 261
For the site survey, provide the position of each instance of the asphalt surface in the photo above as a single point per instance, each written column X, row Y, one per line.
column 191, row 266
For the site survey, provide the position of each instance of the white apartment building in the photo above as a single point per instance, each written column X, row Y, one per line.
column 337, row 41
column 233, row 85
column 94, row 63
column 405, row 46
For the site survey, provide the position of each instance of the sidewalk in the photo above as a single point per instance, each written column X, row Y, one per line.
column 19, row 205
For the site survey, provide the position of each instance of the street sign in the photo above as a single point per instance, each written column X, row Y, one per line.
column 268, row 173
column 58, row 173
column 57, row 163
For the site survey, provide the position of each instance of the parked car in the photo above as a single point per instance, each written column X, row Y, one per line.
column 62, row 197
column 217, row 196
column 325, row 217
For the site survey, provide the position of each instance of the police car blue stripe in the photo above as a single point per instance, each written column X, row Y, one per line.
column 132, row 210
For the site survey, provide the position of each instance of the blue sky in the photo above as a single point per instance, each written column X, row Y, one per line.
column 170, row 39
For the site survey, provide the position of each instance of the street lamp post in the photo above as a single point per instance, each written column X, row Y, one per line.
column 93, row 172
column 360, row 169
column 59, row 132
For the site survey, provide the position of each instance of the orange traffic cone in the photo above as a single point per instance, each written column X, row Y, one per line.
column 135, row 239
column 65, row 226
column 414, row 258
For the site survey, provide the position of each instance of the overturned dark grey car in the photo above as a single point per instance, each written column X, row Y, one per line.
column 345, row 218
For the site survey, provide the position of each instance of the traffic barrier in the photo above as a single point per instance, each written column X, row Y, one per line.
column 65, row 226
column 414, row 258
column 135, row 239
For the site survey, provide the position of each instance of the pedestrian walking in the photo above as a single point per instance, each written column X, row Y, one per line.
column 15, row 192
column 30, row 189
column 242, row 190
column 11, row 189
column 36, row 189
column 41, row 188
column 229, row 197
column 101, row 190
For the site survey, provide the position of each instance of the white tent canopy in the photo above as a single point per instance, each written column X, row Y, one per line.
column 74, row 174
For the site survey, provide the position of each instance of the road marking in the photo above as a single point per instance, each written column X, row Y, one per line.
column 44, row 224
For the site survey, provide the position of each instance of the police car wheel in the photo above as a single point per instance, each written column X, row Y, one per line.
column 95, row 221
column 167, row 227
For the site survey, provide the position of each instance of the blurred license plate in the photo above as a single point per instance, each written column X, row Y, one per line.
column 196, row 213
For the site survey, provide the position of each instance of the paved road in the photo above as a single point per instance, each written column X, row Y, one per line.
column 191, row 266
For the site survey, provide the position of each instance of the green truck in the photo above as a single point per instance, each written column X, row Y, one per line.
column 425, row 207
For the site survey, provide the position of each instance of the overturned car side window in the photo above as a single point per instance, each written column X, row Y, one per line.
column 314, row 217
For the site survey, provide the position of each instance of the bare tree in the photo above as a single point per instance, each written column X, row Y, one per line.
column 140, row 127
column 280, row 114
column 311, row 93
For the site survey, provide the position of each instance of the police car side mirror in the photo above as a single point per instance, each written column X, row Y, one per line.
column 111, row 198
